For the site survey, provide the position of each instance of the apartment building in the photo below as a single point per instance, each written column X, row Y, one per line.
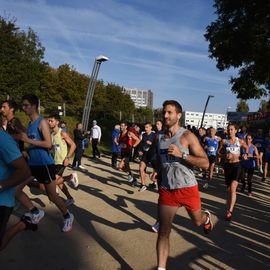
column 215, row 120
column 141, row 98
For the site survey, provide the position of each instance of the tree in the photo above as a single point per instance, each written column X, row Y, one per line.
column 264, row 106
column 240, row 38
column 21, row 55
column 242, row 106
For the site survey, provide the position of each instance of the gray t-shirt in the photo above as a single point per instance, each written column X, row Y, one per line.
column 175, row 172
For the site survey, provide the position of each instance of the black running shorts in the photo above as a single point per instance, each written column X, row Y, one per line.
column 59, row 169
column 212, row 159
column 44, row 174
column 232, row 172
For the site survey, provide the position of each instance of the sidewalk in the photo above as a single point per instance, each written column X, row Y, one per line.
column 112, row 229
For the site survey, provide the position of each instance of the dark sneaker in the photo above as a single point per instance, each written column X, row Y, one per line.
column 228, row 216
column 28, row 223
column 136, row 184
column 153, row 185
column 208, row 227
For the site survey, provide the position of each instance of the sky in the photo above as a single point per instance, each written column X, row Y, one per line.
column 151, row 44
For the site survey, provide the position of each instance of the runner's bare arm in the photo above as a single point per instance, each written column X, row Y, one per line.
column 70, row 142
column 20, row 173
column 197, row 156
column 44, row 129
column 134, row 137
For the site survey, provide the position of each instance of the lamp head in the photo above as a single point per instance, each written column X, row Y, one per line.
column 102, row 58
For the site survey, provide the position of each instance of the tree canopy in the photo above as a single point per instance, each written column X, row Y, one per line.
column 240, row 38
column 242, row 106
column 23, row 70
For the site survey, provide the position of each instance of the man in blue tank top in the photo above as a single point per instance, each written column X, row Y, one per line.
column 40, row 160
column 211, row 143
column 14, row 171
column 178, row 151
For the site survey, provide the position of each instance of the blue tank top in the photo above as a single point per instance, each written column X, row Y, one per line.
column 212, row 146
column 38, row 156
column 249, row 163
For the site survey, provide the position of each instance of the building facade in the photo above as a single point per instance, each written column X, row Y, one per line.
column 215, row 120
column 141, row 98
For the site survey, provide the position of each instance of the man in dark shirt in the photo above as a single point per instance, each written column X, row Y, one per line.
column 79, row 139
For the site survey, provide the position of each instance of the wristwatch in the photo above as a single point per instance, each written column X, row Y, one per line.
column 184, row 156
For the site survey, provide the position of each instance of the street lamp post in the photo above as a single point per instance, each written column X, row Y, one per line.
column 210, row 96
column 91, row 90
column 227, row 110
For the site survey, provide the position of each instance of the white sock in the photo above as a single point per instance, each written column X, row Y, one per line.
column 161, row 268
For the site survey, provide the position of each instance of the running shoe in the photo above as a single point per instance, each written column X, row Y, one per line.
column 208, row 227
column 29, row 225
column 81, row 167
column 130, row 178
column 35, row 217
column 155, row 227
column 136, row 184
column 69, row 202
column 143, row 188
column 152, row 185
column 263, row 179
column 205, row 186
column 228, row 216
column 74, row 179
column 68, row 223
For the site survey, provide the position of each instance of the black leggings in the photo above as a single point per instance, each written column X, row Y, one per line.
column 95, row 148
column 249, row 173
column 77, row 157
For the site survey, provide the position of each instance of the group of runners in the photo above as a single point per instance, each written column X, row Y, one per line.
column 172, row 151
column 35, row 156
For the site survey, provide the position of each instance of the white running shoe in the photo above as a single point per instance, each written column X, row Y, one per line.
column 68, row 223
column 69, row 202
column 205, row 186
column 35, row 218
column 155, row 227
column 143, row 188
column 74, row 179
column 81, row 167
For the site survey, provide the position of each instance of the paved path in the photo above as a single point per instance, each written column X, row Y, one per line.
column 112, row 230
